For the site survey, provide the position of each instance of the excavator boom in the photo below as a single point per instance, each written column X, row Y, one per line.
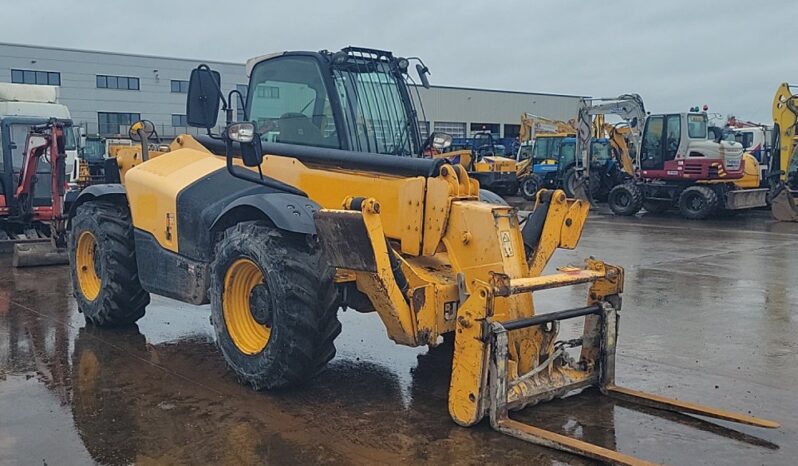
column 783, row 169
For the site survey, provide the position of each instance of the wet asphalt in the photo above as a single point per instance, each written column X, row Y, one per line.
column 710, row 315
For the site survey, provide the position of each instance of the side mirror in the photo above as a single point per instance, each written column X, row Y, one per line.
column 142, row 130
column 633, row 123
column 423, row 71
column 204, row 95
column 82, row 139
column 249, row 141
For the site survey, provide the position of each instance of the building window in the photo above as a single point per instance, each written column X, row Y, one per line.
column 179, row 120
column 268, row 92
column 242, row 88
column 117, row 82
column 51, row 78
column 180, row 87
column 457, row 130
column 110, row 123
column 511, row 131
column 492, row 128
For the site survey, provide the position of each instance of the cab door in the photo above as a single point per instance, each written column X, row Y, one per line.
column 661, row 139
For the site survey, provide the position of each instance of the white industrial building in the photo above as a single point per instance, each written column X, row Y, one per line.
column 106, row 91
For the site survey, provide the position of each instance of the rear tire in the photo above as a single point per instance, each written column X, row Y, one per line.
column 625, row 199
column 277, row 327
column 102, row 259
column 530, row 187
column 698, row 202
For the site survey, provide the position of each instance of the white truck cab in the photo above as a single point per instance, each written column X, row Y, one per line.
column 24, row 105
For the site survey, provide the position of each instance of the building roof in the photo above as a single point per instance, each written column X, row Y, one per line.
column 140, row 55
column 195, row 60
column 504, row 91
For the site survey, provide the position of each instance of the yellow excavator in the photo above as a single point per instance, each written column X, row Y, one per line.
column 281, row 219
column 784, row 161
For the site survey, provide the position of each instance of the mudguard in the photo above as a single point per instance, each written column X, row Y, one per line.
column 92, row 192
column 288, row 212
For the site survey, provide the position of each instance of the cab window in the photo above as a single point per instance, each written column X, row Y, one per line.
column 288, row 102
column 546, row 148
column 697, row 126
column 567, row 153
column 673, row 128
column 600, row 151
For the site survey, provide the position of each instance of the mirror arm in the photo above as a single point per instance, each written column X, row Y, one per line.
column 240, row 99
column 145, row 149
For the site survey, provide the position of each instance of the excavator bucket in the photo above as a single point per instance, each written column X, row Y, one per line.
column 34, row 254
column 783, row 204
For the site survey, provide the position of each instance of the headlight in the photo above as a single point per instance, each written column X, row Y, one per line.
column 241, row 132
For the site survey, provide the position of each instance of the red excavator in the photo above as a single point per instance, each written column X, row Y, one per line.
column 34, row 224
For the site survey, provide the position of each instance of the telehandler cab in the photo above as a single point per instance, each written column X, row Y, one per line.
column 281, row 219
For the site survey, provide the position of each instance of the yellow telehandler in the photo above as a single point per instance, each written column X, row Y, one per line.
column 281, row 219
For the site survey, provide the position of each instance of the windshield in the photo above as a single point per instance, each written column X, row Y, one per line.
column 70, row 138
column 374, row 112
column 697, row 126
column 94, row 150
column 745, row 138
column 525, row 150
column 546, row 148
column 483, row 145
column 288, row 102
column 600, row 151
column 567, row 153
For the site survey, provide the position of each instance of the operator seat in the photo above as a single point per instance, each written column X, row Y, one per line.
column 296, row 128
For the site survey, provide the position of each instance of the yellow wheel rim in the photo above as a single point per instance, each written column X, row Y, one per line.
column 248, row 335
column 85, row 253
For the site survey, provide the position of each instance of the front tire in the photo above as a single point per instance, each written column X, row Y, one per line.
column 530, row 187
column 102, row 259
column 273, row 305
column 698, row 202
column 569, row 182
column 625, row 199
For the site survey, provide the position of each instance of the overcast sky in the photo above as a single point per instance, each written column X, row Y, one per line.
column 675, row 54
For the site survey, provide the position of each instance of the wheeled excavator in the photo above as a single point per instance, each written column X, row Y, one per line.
column 783, row 170
column 282, row 218
column 679, row 162
column 31, row 210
